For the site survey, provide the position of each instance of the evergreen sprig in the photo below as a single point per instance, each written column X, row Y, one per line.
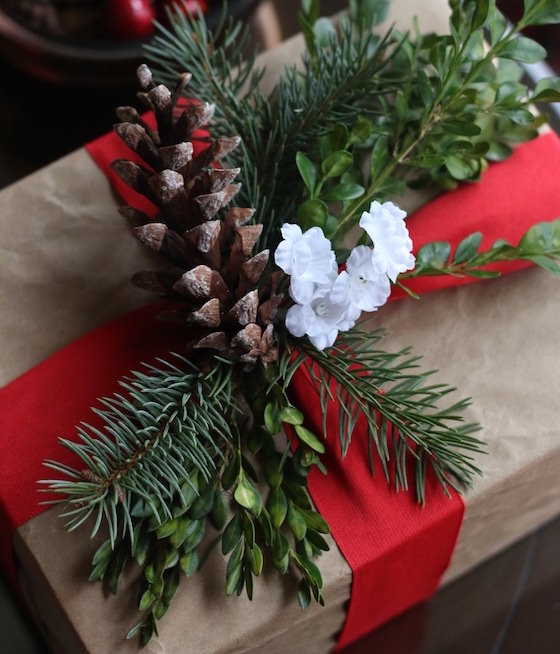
column 422, row 108
column 337, row 82
column 172, row 460
column 401, row 408
column 170, row 424
column 187, row 448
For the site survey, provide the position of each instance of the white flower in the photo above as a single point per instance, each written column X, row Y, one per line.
column 308, row 256
column 309, row 259
column 392, row 245
column 361, row 284
column 303, row 291
column 321, row 320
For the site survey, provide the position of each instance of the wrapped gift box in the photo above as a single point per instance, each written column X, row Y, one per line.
column 67, row 260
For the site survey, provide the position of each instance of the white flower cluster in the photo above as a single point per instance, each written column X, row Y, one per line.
column 327, row 301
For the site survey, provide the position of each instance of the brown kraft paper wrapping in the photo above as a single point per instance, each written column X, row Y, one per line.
column 67, row 259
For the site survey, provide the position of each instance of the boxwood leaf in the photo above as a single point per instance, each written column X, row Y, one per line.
column 236, row 556
column 281, row 546
column 157, row 587
column 544, row 262
column 135, row 630
column 248, row 584
column 296, row 521
column 337, row 163
column 315, row 521
column 99, row 570
column 230, row 473
column 547, row 90
column 218, row 515
column 342, row 192
column 146, row 632
column 233, row 578
column 247, row 495
column 203, row 504
column 256, row 560
column 309, row 439
column 189, row 491
column 468, row 247
column 273, row 472
column 524, row 50
column 308, row 171
column 312, row 213
column 548, row 13
column 497, row 25
column 433, row 255
column 103, row 552
column 272, row 419
column 291, row 415
column 336, row 139
column 171, row 558
column 232, row 534
column 171, row 585
column 167, row 528
column 480, row 14
column 266, row 527
column 185, row 528
column 379, row 157
column 498, row 151
column 160, row 609
column 304, row 594
column 149, row 573
column 361, row 132
column 484, row 274
column 194, row 538
column 282, row 564
column 317, row 540
column 189, row 562
column 248, row 529
column 457, row 167
column 277, row 507
column 540, row 237
column 147, row 599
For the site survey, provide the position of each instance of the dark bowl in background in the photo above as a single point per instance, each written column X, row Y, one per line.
column 90, row 63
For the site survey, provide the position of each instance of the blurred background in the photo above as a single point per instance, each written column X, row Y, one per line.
column 64, row 67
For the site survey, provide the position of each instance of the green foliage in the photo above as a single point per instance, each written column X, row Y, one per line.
column 540, row 244
column 415, row 108
column 401, row 406
column 189, row 457
column 160, row 497
column 170, row 427
column 444, row 108
column 337, row 81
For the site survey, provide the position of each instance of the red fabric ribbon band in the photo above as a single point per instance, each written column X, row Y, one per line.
column 397, row 551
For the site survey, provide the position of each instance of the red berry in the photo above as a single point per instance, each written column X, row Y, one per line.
column 129, row 19
column 194, row 6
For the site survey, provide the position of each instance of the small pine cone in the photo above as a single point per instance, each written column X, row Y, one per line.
column 220, row 289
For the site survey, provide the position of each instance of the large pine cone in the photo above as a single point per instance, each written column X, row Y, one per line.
column 220, row 289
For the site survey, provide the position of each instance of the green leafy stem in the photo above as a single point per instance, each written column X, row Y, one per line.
column 540, row 245
column 440, row 123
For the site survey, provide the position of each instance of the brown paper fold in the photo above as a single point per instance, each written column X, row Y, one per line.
column 66, row 261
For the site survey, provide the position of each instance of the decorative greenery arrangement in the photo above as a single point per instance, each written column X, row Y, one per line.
column 196, row 441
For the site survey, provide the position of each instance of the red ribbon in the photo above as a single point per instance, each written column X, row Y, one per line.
column 397, row 551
